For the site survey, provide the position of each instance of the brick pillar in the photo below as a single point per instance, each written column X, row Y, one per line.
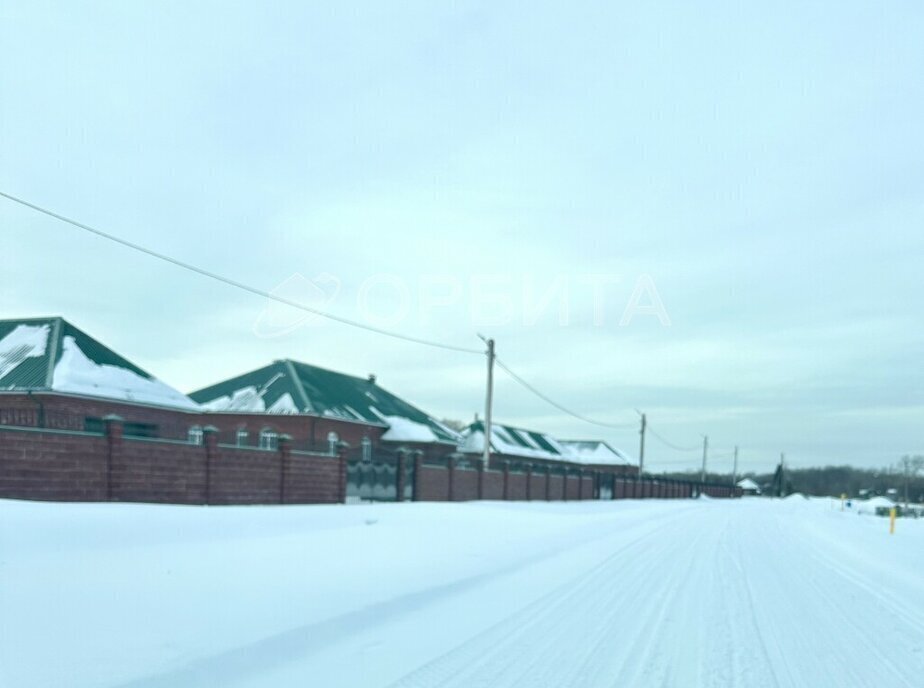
column 564, row 486
column 529, row 482
column 285, row 457
column 418, row 462
column 114, row 427
column 548, row 484
column 399, row 478
column 580, row 485
column 342, row 448
column 451, row 467
column 506, row 480
column 481, row 470
column 210, row 441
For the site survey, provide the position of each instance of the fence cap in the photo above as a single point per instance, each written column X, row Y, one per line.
column 209, row 428
column 285, row 437
column 113, row 418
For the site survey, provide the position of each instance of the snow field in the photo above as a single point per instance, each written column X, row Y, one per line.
column 747, row 592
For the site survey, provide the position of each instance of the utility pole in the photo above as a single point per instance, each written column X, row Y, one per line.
column 702, row 478
column 782, row 473
column 735, row 468
column 489, row 402
column 641, row 446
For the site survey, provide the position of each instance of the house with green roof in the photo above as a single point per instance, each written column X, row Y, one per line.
column 511, row 443
column 52, row 355
column 286, row 392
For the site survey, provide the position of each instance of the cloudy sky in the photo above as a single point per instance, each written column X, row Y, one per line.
column 712, row 212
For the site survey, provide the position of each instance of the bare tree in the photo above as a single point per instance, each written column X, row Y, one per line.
column 911, row 466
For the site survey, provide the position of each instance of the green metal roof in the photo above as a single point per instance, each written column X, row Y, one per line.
column 510, row 436
column 50, row 354
column 317, row 391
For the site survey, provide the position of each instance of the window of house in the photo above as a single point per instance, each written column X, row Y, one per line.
column 367, row 449
column 242, row 437
column 194, row 435
column 269, row 439
column 332, row 440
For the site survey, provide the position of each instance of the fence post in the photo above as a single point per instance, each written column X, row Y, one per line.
column 399, row 478
column 548, row 483
column 114, row 427
column 580, row 475
column 210, row 440
column 481, row 470
column 418, row 461
column 285, row 448
column 506, row 480
column 342, row 448
column 529, row 481
column 452, row 474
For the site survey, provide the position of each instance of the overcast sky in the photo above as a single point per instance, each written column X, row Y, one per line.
column 709, row 211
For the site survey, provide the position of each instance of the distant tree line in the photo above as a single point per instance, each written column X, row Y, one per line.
column 838, row 480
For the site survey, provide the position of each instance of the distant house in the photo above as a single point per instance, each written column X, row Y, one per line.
column 598, row 454
column 318, row 407
column 748, row 487
column 521, row 446
column 54, row 375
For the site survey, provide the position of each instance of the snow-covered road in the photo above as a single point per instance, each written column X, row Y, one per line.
column 675, row 593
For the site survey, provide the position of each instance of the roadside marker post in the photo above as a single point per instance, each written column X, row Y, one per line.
column 892, row 521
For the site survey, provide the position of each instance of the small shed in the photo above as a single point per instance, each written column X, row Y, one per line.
column 748, row 487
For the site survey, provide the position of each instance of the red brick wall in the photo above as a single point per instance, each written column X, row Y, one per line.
column 516, row 487
column 69, row 412
column 52, row 465
column 169, row 472
column 537, row 486
column 312, row 479
column 308, row 433
column 76, row 466
column 587, row 489
column 493, row 487
column 432, row 484
column 555, row 487
column 464, row 485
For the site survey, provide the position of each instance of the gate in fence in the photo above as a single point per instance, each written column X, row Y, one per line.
column 377, row 475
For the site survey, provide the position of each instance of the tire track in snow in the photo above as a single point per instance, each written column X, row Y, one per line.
column 562, row 638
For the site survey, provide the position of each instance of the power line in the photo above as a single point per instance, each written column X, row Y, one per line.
column 671, row 444
column 234, row 283
column 552, row 402
column 336, row 318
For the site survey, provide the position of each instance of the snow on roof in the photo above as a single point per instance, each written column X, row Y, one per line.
column 245, row 400
column 506, row 439
column 24, row 341
column 595, row 452
column 309, row 389
column 50, row 354
column 404, row 430
column 748, row 484
column 75, row 372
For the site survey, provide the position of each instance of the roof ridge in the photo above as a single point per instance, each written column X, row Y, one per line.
column 54, row 339
column 297, row 382
column 326, row 370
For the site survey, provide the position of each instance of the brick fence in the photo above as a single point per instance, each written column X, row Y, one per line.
column 449, row 483
column 74, row 465
column 69, row 465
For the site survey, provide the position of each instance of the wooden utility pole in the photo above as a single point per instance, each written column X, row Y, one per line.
column 702, row 478
column 735, row 468
column 489, row 401
column 641, row 447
